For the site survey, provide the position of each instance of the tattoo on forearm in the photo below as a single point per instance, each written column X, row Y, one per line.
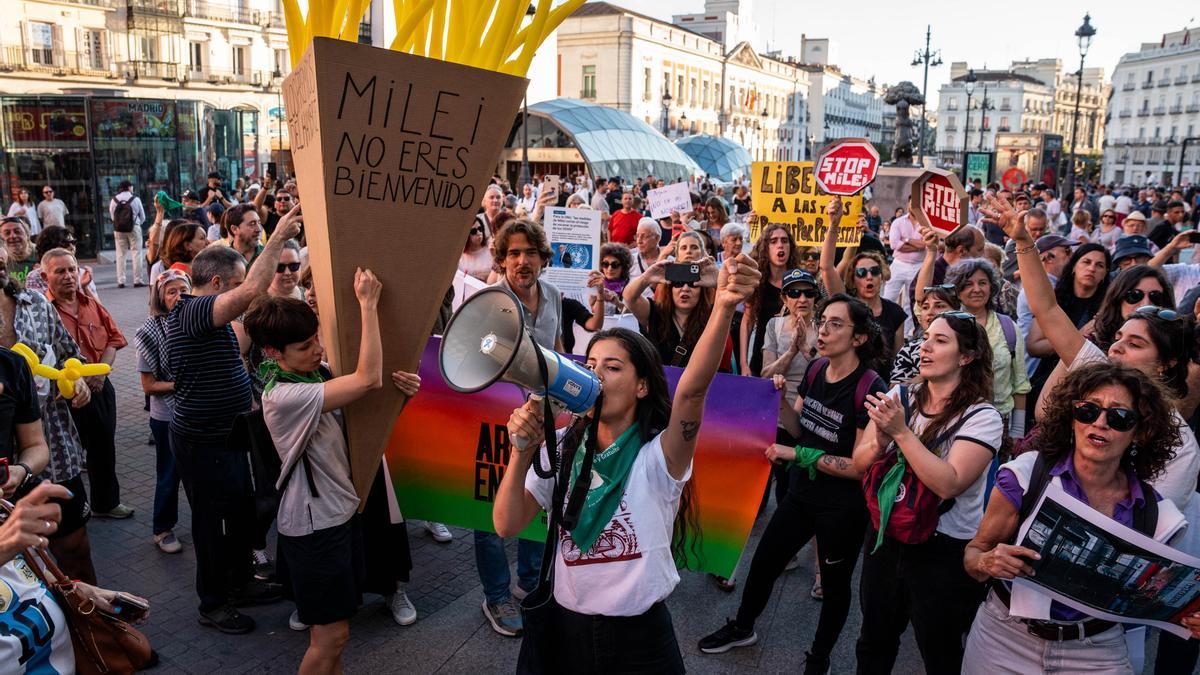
column 839, row 463
column 689, row 429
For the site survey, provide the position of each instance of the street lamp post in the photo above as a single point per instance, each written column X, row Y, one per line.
column 682, row 125
column 1167, row 163
column 524, row 177
column 1083, row 35
column 764, row 134
column 984, row 106
column 666, row 106
column 1182, row 153
column 969, row 85
column 929, row 58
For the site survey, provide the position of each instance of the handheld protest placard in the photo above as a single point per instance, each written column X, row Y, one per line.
column 846, row 166
column 393, row 150
column 786, row 193
column 939, row 201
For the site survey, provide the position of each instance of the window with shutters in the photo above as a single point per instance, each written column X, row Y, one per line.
column 196, row 56
column 41, row 43
column 589, row 82
column 239, row 60
column 91, row 44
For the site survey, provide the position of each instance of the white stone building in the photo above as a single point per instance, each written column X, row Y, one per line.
column 1155, row 106
column 620, row 58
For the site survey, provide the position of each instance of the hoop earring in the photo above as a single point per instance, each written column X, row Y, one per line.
column 1133, row 449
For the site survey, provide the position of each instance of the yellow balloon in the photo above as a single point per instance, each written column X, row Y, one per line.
column 66, row 387
column 73, row 369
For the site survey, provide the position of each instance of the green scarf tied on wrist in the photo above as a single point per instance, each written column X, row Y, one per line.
column 889, row 487
column 270, row 372
column 610, row 473
column 807, row 458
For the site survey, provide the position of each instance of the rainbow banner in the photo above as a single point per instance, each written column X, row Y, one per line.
column 449, row 450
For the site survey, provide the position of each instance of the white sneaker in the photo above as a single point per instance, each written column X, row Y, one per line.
column 295, row 623
column 402, row 608
column 440, row 533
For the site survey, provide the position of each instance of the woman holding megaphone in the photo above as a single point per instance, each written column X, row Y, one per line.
column 613, row 570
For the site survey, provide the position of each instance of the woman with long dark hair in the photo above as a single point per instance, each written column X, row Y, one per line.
column 1133, row 287
column 825, row 498
column 776, row 253
column 946, row 431
column 477, row 259
column 610, row 597
column 182, row 241
column 1109, row 430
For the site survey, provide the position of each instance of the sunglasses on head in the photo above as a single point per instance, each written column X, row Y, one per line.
column 681, row 284
column 610, row 264
column 291, row 267
column 949, row 288
column 862, row 272
column 1161, row 312
column 795, row 293
column 1136, row 294
column 956, row 314
column 1119, row 419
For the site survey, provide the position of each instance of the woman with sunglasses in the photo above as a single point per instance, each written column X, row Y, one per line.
column 934, row 301
column 864, row 277
column 1109, row 231
column 1152, row 339
column 287, row 273
column 1132, row 288
column 476, row 259
column 825, row 498
column 1108, row 430
column 775, row 252
column 615, row 261
column 786, row 352
column 946, row 433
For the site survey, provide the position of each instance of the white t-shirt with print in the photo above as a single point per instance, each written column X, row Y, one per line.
column 630, row 567
column 1177, row 482
column 34, row 637
column 985, row 428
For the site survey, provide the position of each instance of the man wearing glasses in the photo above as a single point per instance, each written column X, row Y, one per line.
column 283, row 203
column 51, row 210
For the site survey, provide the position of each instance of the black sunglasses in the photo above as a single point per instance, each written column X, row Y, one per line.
column 1136, row 294
column 795, row 293
column 681, row 284
column 956, row 314
column 610, row 263
column 476, row 230
column 1161, row 312
column 949, row 288
column 862, row 272
column 69, row 242
column 293, row 267
column 1120, row 419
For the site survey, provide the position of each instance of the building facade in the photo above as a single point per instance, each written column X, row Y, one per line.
column 1155, row 106
column 160, row 92
column 682, row 82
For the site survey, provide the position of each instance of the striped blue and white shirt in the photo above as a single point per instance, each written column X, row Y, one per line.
column 211, row 382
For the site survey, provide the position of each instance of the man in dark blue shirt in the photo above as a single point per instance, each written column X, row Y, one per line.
column 211, row 388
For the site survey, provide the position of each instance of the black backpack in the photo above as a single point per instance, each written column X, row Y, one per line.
column 123, row 215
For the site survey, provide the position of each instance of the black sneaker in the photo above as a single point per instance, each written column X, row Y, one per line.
column 264, row 568
column 814, row 665
column 227, row 620
column 728, row 637
column 256, row 592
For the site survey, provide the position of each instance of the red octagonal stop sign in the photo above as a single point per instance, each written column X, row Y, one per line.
column 846, row 166
column 940, row 201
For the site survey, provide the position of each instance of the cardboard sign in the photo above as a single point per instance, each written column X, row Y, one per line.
column 449, row 451
column 847, row 166
column 668, row 199
column 392, row 153
column 785, row 193
column 941, row 201
column 1013, row 178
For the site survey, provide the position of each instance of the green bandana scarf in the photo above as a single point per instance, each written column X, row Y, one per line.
column 269, row 371
column 612, row 467
column 888, row 488
column 807, row 458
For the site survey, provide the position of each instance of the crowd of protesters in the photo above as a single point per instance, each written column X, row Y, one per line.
column 1051, row 339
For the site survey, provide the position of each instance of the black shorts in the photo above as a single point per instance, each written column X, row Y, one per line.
column 75, row 511
column 325, row 571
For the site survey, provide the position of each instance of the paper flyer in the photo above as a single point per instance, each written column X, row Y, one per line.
column 668, row 199
column 1096, row 565
column 574, row 236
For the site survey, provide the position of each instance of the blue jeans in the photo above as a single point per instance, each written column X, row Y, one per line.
column 166, row 484
column 492, row 563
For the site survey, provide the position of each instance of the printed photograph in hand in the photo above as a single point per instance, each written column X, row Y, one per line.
column 1101, row 570
column 571, row 256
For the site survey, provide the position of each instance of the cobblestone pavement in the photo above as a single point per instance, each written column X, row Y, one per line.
column 451, row 635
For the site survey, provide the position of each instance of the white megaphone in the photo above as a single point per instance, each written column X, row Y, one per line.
column 487, row 341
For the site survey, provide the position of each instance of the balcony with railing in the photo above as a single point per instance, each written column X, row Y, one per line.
column 213, row 11
column 1125, row 113
column 1196, row 77
column 1144, row 112
column 14, row 58
column 250, row 78
column 1148, row 84
column 1128, row 86
column 1160, row 110
column 1182, row 79
column 1177, row 108
column 1193, row 107
column 161, row 7
column 152, row 70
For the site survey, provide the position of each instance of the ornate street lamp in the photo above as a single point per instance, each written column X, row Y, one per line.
column 666, row 106
column 969, row 85
column 1083, row 35
column 929, row 58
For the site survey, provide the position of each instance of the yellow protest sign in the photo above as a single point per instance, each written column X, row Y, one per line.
column 784, row 193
